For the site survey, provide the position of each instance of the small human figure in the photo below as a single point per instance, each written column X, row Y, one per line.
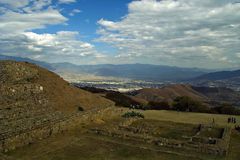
column 213, row 121
column 229, row 119
column 234, row 120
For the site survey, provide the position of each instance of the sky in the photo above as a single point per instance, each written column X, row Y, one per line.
column 184, row 33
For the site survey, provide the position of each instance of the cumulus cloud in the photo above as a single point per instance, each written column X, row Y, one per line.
column 17, row 22
column 15, row 4
column 198, row 33
column 63, row 45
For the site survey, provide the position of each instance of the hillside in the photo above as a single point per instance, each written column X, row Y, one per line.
column 212, row 96
column 223, row 75
column 21, row 59
column 169, row 93
column 220, row 94
column 32, row 98
column 59, row 92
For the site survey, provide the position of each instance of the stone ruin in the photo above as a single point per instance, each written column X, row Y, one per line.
column 24, row 108
column 214, row 146
column 26, row 112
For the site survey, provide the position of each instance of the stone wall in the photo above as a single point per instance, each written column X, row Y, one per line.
column 10, row 141
column 195, row 143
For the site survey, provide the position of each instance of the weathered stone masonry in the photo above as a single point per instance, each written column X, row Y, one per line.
column 10, row 141
column 27, row 114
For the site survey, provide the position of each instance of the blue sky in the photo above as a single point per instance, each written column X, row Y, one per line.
column 91, row 11
column 198, row 33
column 85, row 22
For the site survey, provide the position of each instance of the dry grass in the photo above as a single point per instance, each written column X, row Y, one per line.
column 60, row 94
column 169, row 93
column 77, row 145
column 234, row 152
column 189, row 117
column 88, row 147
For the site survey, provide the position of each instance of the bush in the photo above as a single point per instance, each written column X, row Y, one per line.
column 123, row 100
column 133, row 114
column 226, row 109
column 188, row 104
column 80, row 109
column 164, row 105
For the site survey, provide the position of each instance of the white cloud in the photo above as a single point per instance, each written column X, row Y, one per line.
column 75, row 11
column 37, row 5
column 18, row 39
column 62, row 46
column 199, row 33
column 14, row 4
column 238, row 55
column 14, row 22
column 66, row 1
column 63, row 43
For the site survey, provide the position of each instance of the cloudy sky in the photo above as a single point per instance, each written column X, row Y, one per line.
column 186, row 33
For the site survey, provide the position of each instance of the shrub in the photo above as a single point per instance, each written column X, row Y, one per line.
column 80, row 109
column 164, row 105
column 226, row 109
column 188, row 104
column 123, row 100
column 133, row 114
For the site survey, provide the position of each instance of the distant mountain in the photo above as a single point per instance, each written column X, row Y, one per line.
column 219, row 94
column 130, row 71
column 223, row 75
column 134, row 71
column 20, row 59
column 223, row 79
column 68, row 67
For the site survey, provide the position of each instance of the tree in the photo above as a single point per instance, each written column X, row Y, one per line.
column 185, row 103
column 226, row 108
column 164, row 105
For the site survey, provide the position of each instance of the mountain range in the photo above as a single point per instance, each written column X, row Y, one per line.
column 222, row 75
column 146, row 72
